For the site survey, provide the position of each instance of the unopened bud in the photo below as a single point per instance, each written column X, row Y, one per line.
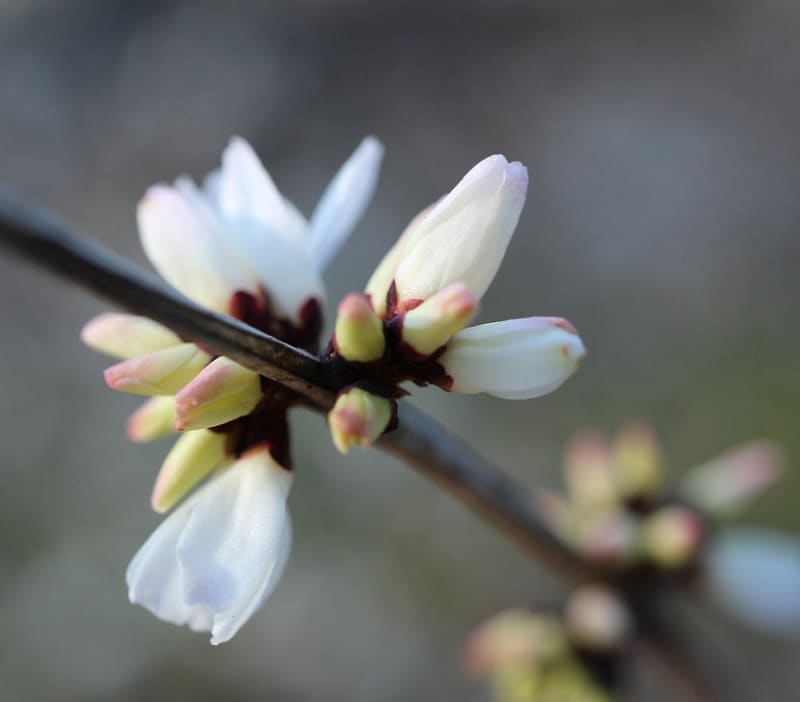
column 637, row 463
column 155, row 419
column 514, row 639
column 126, row 335
column 359, row 331
column 192, row 457
column 588, row 472
column 431, row 325
column 161, row 372
column 608, row 539
column 597, row 619
column 358, row 418
column 221, row 392
column 729, row 482
column 671, row 537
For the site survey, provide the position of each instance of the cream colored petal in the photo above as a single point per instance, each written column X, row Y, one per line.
column 126, row 335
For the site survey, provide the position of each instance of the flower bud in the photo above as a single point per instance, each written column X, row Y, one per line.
column 637, row 464
column 517, row 359
column 221, row 392
column 671, row 537
column 431, row 325
column 155, row 419
column 191, row 459
column 597, row 619
column 513, row 639
column 359, row 331
column 358, row 418
column 126, row 335
column 161, row 372
column 608, row 539
column 729, row 482
column 588, row 472
column 465, row 235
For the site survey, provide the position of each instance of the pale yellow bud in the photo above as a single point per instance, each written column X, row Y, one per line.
column 637, row 464
column 597, row 618
column 431, row 325
column 587, row 465
column 162, row 372
column 221, row 392
column 191, row 459
column 155, row 419
column 358, row 418
column 359, row 331
column 671, row 537
column 515, row 639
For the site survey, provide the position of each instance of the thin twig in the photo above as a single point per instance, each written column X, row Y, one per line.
column 419, row 441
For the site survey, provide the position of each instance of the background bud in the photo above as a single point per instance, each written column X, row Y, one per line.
column 597, row 618
column 637, row 463
column 672, row 536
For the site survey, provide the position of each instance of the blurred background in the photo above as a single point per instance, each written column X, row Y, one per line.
column 662, row 145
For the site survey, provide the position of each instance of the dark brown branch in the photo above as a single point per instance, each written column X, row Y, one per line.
column 419, row 441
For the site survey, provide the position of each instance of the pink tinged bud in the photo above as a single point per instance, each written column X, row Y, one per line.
column 358, row 418
column 359, row 332
column 515, row 639
column 755, row 575
column 431, row 325
column 637, row 462
column 126, row 335
column 671, row 537
column 730, row 482
column 465, row 235
column 155, row 419
column 607, row 539
column 517, row 359
column 158, row 373
column 221, row 392
column 588, row 472
column 191, row 459
column 597, row 619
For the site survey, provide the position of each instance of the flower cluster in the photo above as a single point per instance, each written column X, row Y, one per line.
column 409, row 325
column 238, row 247
column 547, row 656
column 621, row 515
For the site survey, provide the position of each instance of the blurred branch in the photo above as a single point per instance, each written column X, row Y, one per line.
column 419, row 440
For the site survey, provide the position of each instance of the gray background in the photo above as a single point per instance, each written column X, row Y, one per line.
column 664, row 158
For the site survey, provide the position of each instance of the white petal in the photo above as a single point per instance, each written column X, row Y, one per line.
column 246, row 191
column 227, row 623
column 232, row 541
column 465, row 236
column 516, row 359
column 344, row 201
column 283, row 269
column 257, row 255
column 153, row 576
column 381, row 279
column 185, row 247
column 756, row 574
